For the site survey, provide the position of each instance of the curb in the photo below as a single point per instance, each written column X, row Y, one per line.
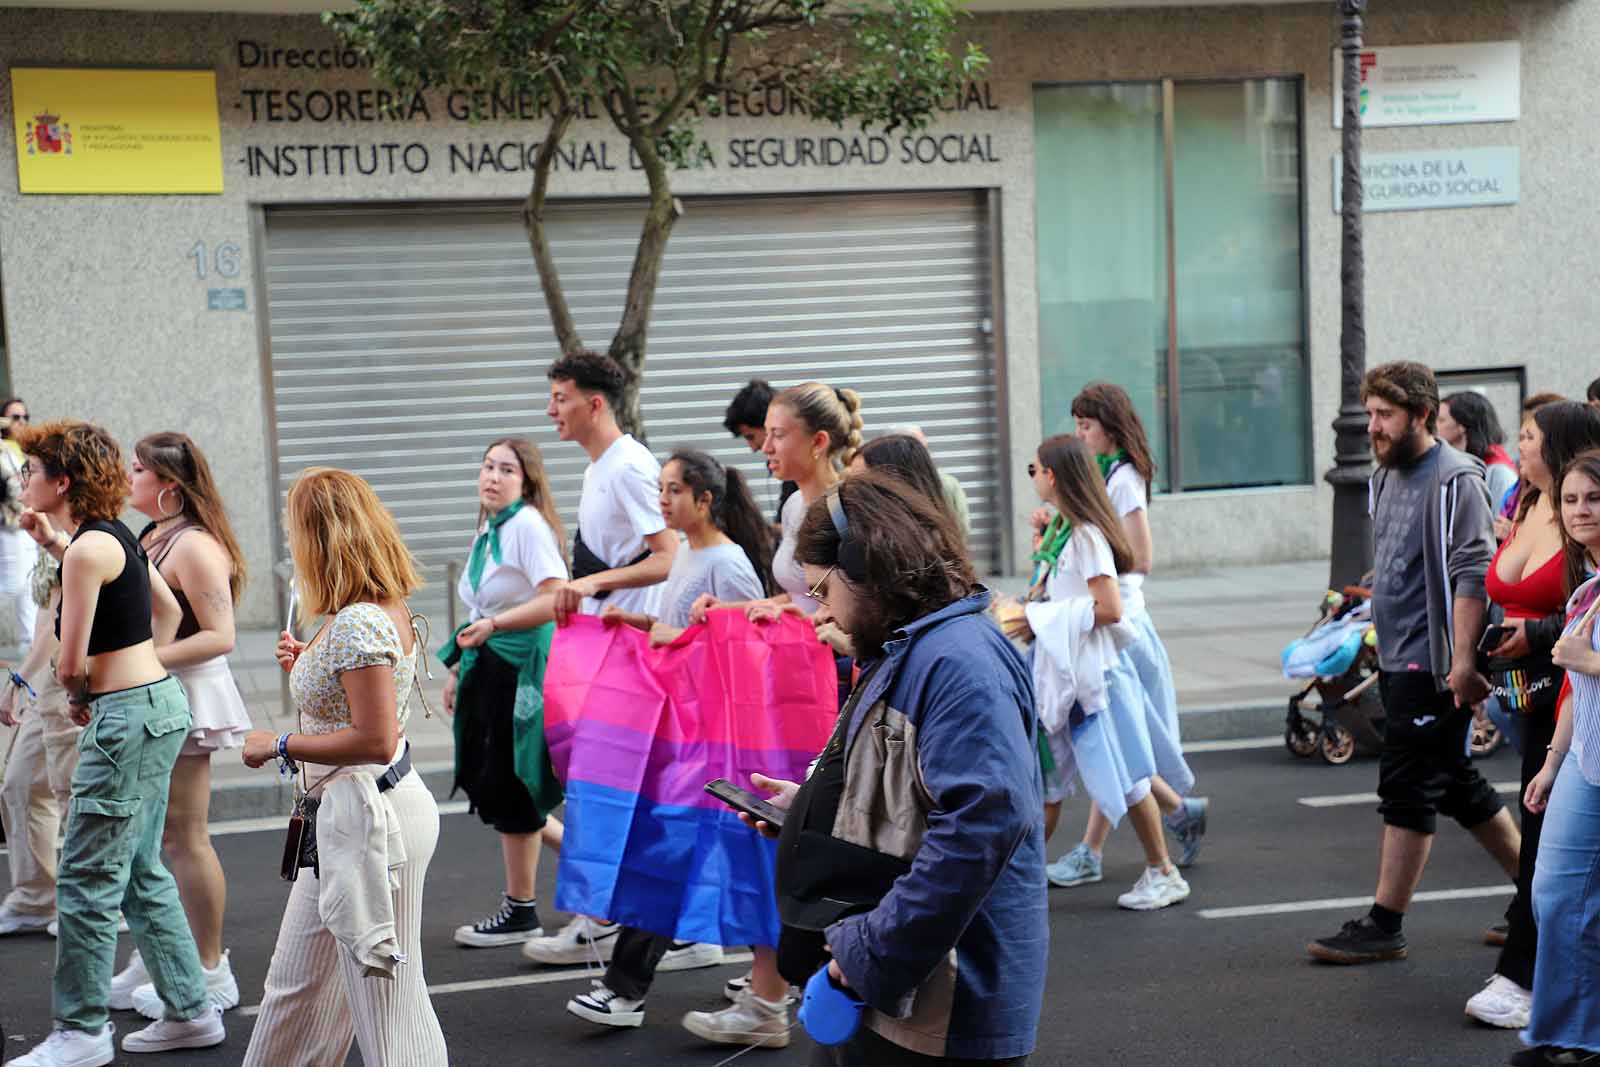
column 1232, row 722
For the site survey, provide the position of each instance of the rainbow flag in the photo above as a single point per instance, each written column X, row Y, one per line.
column 636, row 732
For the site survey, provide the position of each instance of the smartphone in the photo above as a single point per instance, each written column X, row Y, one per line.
column 1492, row 636
column 745, row 801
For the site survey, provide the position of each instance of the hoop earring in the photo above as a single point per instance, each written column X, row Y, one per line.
column 162, row 508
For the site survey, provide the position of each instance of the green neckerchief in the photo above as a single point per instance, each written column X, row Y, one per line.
column 1107, row 462
column 1051, row 542
column 528, row 651
column 487, row 546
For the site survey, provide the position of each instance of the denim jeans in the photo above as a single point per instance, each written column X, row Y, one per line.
column 1566, row 975
column 112, row 858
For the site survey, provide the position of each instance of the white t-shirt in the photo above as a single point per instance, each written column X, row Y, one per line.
column 1129, row 493
column 786, row 571
column 620, row 507
column 724, row 571
column 1087, row 555
column 529, row 555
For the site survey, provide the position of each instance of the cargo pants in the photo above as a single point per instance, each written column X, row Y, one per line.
column 112, row 859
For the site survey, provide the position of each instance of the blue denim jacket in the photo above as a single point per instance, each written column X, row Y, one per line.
column 942, row 770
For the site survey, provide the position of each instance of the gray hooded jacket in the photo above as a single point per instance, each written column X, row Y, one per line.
column 1457, row 546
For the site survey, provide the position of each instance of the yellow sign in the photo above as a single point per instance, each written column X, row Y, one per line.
column 116, row 131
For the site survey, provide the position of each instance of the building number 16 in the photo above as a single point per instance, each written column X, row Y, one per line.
column 225, row 261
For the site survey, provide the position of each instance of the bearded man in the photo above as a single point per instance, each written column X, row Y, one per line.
column 1433, row 539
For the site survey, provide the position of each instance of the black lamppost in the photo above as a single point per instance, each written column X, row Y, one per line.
column 1352, row 452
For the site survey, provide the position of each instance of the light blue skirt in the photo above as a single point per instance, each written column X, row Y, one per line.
column 1150, row 662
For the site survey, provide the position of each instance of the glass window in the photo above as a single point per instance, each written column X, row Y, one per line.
column 1237, row 326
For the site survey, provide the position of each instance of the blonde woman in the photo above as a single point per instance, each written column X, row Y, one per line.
column 348, row 961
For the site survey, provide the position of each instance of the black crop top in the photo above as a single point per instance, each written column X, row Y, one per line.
column 122, row 614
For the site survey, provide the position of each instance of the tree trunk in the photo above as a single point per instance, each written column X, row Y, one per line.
column 628, row 345
column 555, row 298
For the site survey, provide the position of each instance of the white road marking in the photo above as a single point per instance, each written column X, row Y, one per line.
column 1344, row 903
column 1342, row 799
column 1235, row 745
column 544, row 978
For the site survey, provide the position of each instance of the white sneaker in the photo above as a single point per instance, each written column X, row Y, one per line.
column 1155, row 890
column 221, row 988
column 750, row 1021
column 203, row 1031
column 126, row 981
column 72, row 1048
column 605, row 1006
column 689, row 956
column 1501, row 1002
column 583, row 940
column 22, row 922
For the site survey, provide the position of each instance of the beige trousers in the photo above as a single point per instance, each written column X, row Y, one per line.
column 34, row 795
column 316, row 999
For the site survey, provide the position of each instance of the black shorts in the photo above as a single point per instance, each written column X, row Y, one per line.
column 485, row 737
column 1424, row 771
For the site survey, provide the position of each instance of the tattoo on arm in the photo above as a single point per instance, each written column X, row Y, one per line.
column 221, row 603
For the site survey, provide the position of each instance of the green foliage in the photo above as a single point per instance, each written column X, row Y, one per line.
column 656, row 65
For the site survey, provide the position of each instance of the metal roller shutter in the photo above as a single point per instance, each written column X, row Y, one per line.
column 404, row 339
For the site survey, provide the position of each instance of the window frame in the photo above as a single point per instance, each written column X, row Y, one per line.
column 1169, row 393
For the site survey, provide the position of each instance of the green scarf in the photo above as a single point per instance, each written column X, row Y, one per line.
column 1051, row 542
column 528, row 651
column 487, row 546
column 1107, row 462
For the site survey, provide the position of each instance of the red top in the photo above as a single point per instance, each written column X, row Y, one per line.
column 1498, row 454
column 1539, row 594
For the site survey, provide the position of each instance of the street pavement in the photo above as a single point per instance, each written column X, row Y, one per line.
column 1195, row 984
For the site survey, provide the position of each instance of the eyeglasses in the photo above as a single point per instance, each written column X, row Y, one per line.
column 815, row 592
column 21, row 416
column 25, row 472
column 1032, row 470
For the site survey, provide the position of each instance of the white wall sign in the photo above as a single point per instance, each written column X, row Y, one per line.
column 1413, row 181
column 1435, row 84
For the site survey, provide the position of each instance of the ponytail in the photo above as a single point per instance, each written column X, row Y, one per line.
column 733, row 508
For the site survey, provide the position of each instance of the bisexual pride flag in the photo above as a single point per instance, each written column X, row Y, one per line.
column 636, row 733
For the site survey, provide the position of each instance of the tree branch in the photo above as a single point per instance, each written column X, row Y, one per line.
column 555, row 297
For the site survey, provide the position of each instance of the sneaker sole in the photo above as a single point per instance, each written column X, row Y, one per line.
column 619, row 1020
column 1332, row 955
column 570, row 957
column 197, row 1041
column 691, row 962
column 726, row 1037
column 1066, row 883
column 1154, row 905
column 96, row 1059
column 1513, row 1021
column 14, row 928
column 467, row 937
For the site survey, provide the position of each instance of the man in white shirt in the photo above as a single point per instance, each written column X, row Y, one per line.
column 622, row 549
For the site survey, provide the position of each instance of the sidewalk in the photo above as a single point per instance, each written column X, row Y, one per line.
column 1224, row 629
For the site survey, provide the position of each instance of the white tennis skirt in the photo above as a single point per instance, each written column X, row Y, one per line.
column 220, row 717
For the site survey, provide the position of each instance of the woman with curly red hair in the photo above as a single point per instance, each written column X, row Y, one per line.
column 114, row 609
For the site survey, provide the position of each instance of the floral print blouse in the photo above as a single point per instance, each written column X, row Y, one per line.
column 361, row 635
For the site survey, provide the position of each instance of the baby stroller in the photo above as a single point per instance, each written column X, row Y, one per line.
column 1340, row 657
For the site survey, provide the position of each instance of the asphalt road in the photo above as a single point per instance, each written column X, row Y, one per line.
column 1186, row 985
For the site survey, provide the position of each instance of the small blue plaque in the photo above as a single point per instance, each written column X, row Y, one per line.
column 225, row 300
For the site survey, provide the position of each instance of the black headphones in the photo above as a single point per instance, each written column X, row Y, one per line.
column 852, row 557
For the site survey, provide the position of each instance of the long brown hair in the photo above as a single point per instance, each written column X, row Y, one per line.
column 535, row 484
column 1110, row 406
column 1081, row 493
column 1576, row 553
column 346, row 545
column 913, row 553
column 1569, row 428
column 174, row 457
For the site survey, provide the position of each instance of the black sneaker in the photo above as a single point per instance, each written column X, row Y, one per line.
column 1359, row 941
column 1551, row 1056
column 511, row 925
column 607, row 1007
column 1497, row 934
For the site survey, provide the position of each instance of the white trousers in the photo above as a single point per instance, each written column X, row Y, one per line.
column 316, row 999
column 34, row 795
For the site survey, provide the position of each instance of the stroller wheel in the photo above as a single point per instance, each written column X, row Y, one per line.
column 1300, row 738
column 1338, row 745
